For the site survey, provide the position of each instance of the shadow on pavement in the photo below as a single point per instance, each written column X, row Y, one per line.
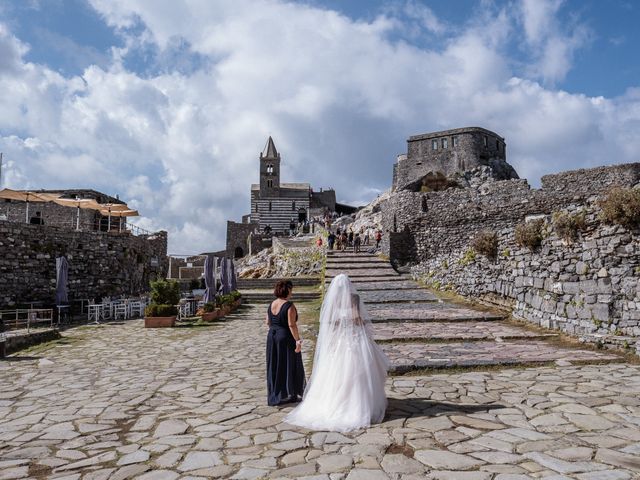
column 420, row 407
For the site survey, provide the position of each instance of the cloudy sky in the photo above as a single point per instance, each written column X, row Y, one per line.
column 168, row 102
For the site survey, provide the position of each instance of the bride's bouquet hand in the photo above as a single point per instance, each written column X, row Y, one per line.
column 298, row 348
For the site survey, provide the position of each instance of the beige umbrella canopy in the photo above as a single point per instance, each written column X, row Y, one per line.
column 125, row 212
column 26, row 196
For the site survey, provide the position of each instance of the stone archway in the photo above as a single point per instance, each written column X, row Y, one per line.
column 238, row 253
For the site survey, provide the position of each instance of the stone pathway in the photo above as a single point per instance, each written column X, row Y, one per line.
column 119, row 402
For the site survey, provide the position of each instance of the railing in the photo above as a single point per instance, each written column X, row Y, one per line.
column 27, row 318
column 90, row 226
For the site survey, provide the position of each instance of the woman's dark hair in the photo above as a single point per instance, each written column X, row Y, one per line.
column 283, row 288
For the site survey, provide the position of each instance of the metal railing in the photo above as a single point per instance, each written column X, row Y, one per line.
column 27, row 318
column 88, row 226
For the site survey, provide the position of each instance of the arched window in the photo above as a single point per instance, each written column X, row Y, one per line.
column 424, row 203
column 270, row 206
column 293, row 206
column 270, row 169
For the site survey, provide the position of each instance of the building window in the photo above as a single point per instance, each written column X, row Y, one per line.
column 293, row 206
column 434, row 144
column 498, row 145
column 454, row 141
column 270, row 206
column 445, row 143
column 485, row 140
column 270, row 169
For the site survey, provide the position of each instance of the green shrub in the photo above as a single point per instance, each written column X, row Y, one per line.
column 485, row 243
column 468, row 257
column 621, row 206
column 235, row 295
column 209, row 307
column 165, row 292
column 529, row 234
column 506, row 252
column 568, row 225
column 160, row 310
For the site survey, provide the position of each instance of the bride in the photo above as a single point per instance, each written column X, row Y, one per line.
column 346, row 389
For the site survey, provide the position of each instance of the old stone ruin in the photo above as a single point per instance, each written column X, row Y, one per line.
column 565, row 256
column 106, row 256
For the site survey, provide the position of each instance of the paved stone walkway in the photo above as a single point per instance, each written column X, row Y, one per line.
column 119, row 401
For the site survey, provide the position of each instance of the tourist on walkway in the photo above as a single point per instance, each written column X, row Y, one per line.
column 366, row 237
column 346, row 389
column 285, row 372
column 356, row 243
column 319, row 242
column 344, row 240
column 331, row 240
column 350, row 238
column 378, row 239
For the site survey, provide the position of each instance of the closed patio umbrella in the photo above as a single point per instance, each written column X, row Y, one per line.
column 233, row 283
column 111, row 208
column 209, row 280
column 224, row 276
column 62, row 277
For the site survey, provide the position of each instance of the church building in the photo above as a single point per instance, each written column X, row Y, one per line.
column 277, row 208
column 275, row 205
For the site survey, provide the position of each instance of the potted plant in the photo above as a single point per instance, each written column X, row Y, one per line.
column 162, row 311
column 209, row 312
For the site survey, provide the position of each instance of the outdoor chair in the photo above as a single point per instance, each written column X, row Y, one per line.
column 120, row 311
column 95, row 312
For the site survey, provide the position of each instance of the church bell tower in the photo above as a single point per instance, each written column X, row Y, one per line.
column 269, row 170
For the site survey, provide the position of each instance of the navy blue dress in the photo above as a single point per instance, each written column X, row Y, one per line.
column 285, row 372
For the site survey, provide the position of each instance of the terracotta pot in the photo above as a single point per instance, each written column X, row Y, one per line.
column 211, row 316
column 159, row 322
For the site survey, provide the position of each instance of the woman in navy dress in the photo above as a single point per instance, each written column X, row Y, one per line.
column 285, row 372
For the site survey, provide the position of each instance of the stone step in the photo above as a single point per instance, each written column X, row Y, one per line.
column 250, row 283
column 405, row 356
column 357, row 280
column 397, row 296
column 360, row 265
column 448, row 331
column 428, row 312
column 383, row 285
column 362, row 274
column 267, row 297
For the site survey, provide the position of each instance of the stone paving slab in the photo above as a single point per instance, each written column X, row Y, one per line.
column 395, row 296
column 425, row 331
column 120, row 402
column 368, row 279
column 411, row 356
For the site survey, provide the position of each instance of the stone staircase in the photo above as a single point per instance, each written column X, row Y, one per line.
column 260, row 290
column 419, row 330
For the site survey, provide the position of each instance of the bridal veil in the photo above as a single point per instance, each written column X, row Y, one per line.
column 346, row 388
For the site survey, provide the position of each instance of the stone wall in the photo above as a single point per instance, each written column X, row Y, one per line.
column 100, row 264
column 238, row 238
column 589, row 287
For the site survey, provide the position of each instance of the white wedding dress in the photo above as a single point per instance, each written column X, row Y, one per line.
column 346, row 388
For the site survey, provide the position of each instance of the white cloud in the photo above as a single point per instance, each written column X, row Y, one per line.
column 339, row 97
column 551, row 44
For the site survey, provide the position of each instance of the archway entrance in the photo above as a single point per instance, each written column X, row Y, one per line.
column 238, row 253
column 302, row 215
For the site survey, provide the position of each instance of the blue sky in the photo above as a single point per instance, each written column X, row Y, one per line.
column 168, row 103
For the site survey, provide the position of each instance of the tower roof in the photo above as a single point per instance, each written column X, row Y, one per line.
column 270, row 150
